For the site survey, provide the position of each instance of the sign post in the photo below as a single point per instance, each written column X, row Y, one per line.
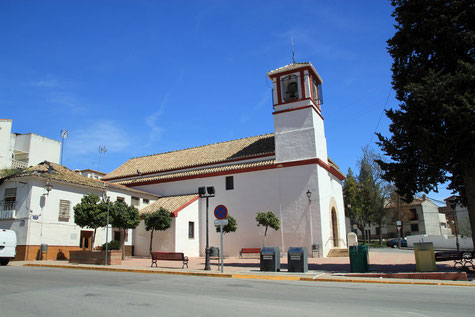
column 221, row 212
column 398, row 226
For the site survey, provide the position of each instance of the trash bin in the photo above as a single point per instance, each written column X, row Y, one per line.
column 359, row 259
column 270, row 259
column 425, row 258
column 213, row 252
column 43, row 252
column 297, row 259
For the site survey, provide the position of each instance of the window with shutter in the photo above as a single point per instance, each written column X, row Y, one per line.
column 64, row 208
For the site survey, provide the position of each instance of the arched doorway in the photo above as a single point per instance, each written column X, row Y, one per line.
column 335, row 236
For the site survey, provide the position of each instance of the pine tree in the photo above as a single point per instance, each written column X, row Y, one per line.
column 433, row 133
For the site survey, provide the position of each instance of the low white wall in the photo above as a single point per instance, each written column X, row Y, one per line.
column 441, row 242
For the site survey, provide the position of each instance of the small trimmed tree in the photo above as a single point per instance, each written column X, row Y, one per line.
column 267, row 219
column 157, row 220
column 123, row 217
column 230, row 227
column 91, row 212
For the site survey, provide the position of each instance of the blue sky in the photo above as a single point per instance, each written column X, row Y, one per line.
column 145, row 77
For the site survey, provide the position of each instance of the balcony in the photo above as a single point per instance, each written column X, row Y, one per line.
column 7, row 210
column 19, row 164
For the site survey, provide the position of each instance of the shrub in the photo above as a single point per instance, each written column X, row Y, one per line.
column 113, row 245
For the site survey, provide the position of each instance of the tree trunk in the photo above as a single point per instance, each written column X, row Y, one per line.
column 122, row 243
column 265, row 237
column 361, row 228
column 151, row 239
column 93, row 239
column 468, row 175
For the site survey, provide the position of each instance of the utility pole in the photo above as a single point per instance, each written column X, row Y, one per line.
column 399, row 223
column 64, row 135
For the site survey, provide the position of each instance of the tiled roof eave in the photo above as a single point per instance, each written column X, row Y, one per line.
column 216, row 153
column 196, row 173
column 158, row 171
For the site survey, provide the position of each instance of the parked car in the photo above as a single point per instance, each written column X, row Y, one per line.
column 393, row 243
column 7, row 246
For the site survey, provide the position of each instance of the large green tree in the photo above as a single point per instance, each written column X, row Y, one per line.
column 366, row 193
column 267, row 220
column 157, row 220
column 433, row 133
column 91, row 212
column 123, row 217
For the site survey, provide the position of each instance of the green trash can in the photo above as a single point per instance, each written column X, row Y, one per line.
column 359, row 259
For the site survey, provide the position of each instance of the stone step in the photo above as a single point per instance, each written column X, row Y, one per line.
column 340, row 252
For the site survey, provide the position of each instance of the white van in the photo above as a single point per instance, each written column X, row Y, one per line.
column 7, row 246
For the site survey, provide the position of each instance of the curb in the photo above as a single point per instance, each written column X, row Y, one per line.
column 253, row 276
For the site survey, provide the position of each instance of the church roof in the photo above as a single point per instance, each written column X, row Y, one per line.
column 172, row 203
column 292, row 67
column 215, row 170
column 224, row 152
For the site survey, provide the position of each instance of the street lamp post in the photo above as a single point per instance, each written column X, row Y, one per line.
column 309, row 196
column 207, row 192
column 106, row 198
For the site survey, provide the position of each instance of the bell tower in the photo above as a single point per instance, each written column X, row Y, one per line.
column 298, row 121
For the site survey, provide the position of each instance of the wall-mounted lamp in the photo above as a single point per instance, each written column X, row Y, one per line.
column 309, row 194
column 48, row 187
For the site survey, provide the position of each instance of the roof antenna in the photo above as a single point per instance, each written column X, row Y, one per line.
column 102, row 150
column 293, row 55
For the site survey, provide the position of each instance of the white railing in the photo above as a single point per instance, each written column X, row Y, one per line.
column 19, row 164
column 7, row 210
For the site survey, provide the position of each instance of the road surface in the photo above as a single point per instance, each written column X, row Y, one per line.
column 33, row 291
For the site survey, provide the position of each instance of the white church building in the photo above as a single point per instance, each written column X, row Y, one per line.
column 287, row 172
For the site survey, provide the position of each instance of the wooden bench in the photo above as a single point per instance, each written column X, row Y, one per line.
column 169, row 256
column 461, row 258
column 249, row 251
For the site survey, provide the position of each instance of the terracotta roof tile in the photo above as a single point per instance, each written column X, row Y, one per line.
column 57, row 172
column 171, row 203
column 294, row 66
column 196, row 172
column 195, row 157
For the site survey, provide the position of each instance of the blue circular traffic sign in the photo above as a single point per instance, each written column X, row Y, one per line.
column 220, row 212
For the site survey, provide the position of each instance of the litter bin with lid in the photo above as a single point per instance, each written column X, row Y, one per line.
column 359, row 259
column 270, row 259
column 425, row 258
column 297, row 259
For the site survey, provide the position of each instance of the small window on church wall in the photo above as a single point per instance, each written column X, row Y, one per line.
column 229, row 182
column 191, row 230
column 290, row 88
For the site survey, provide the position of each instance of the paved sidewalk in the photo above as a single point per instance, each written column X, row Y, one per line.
column 386, row 266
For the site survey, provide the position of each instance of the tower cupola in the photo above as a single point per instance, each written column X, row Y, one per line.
column 297, row 84
column 298, row 121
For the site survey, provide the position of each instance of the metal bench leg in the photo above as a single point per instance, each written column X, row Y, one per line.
column 154, row 262
column 468, row 261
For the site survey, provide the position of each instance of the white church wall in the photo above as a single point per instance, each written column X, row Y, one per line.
column 330, row 196
column 294, row 144
column 281, row 190
column 163, row 241
column 189, row 246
